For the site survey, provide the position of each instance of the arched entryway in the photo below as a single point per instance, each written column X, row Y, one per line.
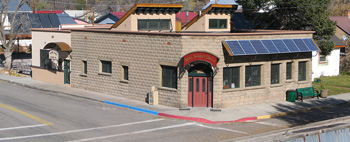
column 55, row 56
column 201, row 68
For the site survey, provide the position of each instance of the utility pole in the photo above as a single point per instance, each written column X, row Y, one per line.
column 93, row 16
column 86, row 4
column 33, row 6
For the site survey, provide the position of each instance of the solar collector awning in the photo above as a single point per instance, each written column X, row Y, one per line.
column 273, row 46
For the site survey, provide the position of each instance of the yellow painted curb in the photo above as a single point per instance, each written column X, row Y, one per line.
column 291, row 112
column 26, row 114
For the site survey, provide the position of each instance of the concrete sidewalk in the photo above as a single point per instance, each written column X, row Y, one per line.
column 204, row 115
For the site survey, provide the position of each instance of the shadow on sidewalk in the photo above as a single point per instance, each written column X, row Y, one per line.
column 316, row 114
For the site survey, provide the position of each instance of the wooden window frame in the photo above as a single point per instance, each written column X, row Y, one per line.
column 322, row 62
column 252, row 76
column 159, row 22
column 84, row 67
column 172, row 78
column 217, row 24
column 289, row 72
column 231, row 77
column 277, row 75
column 125, row 73
column 102, row 66
column 302, row 76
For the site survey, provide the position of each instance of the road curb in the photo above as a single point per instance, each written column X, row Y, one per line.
column 301, row 110
column 48, row 90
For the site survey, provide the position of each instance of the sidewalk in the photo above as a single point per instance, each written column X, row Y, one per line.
column 204, row 115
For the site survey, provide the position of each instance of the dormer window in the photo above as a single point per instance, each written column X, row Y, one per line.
column 217, row 23
column 154, row 24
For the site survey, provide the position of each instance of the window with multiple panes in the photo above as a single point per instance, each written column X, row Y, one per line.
column 154, row 24
column 169, row 77
column 253, row 75
column 323, row 58
column 231, row 77
column 106, row 66
column 217, row 23
column 302, row 71
column 275, row 73
column 125, row 72
column 45, row 62
column 85, row 67
column 289, row 70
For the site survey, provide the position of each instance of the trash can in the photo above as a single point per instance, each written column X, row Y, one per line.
column 291, row 95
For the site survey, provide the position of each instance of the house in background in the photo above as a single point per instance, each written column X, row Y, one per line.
column 185, row 17
column 343, row 33
column 26, row 21
column 327, row 65
column 113, row 17
column 108, row 18
column 80, row 21
column 49, row 11
column 119, row 14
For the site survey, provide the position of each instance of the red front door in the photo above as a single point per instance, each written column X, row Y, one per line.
column 198, row 94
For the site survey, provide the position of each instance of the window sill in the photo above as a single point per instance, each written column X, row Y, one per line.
column 107, row 74
column 289, row 81
column 232, row 89
column 243, row 89
column 303, row 82
column 83, row 75
column 276, row 85
column 167, row 89
column 124, row 81
column 254, row 87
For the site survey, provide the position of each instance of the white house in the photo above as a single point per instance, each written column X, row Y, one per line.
column 327, row 65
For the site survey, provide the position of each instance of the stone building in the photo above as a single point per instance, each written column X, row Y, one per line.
column 202, row 67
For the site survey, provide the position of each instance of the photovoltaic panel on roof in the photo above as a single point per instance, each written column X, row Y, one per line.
column 236, row 49
column 35, row 21
column 270, row 46
column 291, row 45
column 247, row 47
column 45, row 21
column 259, row 47
column 54, row 20
column 311, row 44
column 302, row 46
column 65, row 19
column 281, row 47
column 275, row 46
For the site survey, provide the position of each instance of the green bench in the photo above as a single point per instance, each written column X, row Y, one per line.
column 307, row 92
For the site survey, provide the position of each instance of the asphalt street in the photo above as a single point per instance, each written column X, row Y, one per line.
column 32, row 115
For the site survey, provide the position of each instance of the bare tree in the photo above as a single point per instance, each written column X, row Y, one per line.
column 9, row 32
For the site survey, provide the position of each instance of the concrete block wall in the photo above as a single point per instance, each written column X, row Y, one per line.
column 265, row 93
column 143, row 54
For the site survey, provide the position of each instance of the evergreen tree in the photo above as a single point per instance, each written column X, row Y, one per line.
column 310, row 15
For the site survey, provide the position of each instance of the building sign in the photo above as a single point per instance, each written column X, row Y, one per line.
column 53, row 55
column 200, row 56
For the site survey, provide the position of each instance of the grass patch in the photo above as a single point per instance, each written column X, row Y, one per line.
column 335, row 84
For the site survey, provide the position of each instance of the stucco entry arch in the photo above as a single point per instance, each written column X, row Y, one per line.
column 189, row 59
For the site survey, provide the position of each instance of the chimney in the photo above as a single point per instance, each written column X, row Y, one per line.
column 347, row 13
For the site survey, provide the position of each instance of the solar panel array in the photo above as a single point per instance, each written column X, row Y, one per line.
column 29, row 20
column 254, row 47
